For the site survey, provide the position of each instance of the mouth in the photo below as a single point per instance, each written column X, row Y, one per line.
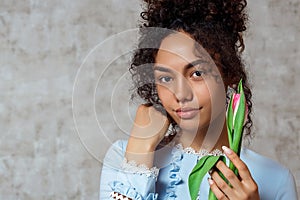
column 187, row 113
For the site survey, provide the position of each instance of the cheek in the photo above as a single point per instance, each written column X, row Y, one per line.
column 210, row 94
column 201, row 93
column 217, row 99
column 164, row 94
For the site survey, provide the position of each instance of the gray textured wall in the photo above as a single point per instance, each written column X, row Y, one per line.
column 43, row 155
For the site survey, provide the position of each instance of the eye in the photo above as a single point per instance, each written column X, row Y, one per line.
column 197, row 74
column 165, row 79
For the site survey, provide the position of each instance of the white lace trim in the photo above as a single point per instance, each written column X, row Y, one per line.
column 201, row 153
column 141, row 169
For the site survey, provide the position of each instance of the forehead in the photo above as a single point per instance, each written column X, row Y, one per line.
column 179, row 47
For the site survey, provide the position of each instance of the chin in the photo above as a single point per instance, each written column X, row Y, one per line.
column 190, row 126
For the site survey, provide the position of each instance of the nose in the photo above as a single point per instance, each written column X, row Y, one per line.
column 183, row 91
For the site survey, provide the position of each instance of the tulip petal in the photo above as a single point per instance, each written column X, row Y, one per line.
column 236, row 101
column 236, row 98
column 230, row 120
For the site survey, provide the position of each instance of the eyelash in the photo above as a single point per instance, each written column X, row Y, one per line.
column 161, row 79
column 197, row 71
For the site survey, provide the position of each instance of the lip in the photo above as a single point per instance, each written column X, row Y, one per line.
column 187, row 112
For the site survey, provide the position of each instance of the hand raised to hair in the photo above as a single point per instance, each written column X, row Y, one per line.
column 240, row 188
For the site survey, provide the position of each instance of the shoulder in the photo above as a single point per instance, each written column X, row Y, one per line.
column 261, row 163
column 267, row 172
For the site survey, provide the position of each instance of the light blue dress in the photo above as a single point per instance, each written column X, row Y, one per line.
column 274, row 181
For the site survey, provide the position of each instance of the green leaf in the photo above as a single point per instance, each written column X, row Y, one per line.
column 201, row 168
column 240, row 87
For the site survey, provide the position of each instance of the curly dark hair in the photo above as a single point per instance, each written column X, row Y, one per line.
column 215, row 24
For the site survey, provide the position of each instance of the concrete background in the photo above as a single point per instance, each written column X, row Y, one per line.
column 49, row 53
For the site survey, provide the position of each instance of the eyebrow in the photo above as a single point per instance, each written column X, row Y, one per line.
column 186, row 67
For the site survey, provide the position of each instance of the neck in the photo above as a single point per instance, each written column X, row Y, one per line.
column 211, row 137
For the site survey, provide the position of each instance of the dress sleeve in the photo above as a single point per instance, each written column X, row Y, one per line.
column 287, row 190
column 126, row 178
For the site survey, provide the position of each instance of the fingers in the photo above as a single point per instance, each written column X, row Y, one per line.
column 149, row 123
column 228, row 188
column 238, row 163
column 216, row 190
column 148, row 130
column 220, row 183
column 228, row 173
column 232, row 187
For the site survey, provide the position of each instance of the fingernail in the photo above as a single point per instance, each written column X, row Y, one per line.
column 227, row 150
column 210, row 181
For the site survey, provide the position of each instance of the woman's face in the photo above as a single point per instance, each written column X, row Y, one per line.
column 190, row 87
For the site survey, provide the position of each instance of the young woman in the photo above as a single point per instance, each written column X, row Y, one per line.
column 187, row 63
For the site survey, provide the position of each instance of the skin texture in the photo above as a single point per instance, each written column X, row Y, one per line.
column 198, row 90
column 181, row 85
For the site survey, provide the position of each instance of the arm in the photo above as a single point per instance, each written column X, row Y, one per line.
column 149, row 129
column 135, row 177
column 124, row 178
